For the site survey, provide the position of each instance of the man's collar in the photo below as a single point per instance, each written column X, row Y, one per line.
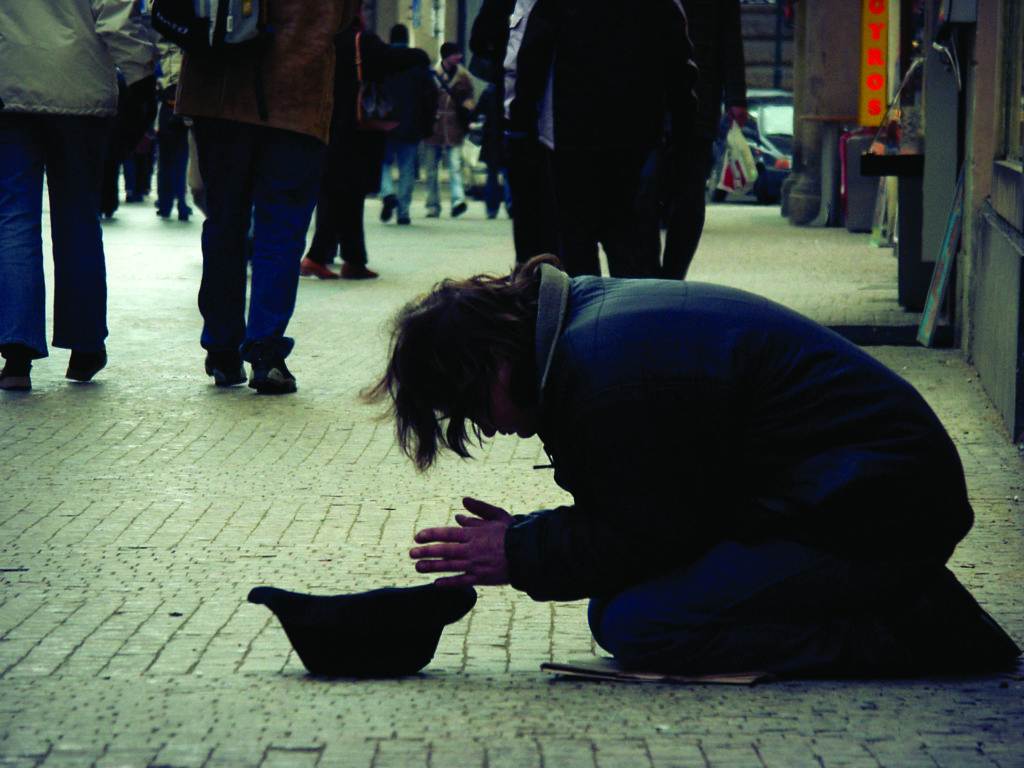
column 552, row 300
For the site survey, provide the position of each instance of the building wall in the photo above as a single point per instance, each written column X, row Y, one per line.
column 991, row 300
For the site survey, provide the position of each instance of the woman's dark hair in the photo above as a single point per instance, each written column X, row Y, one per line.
column 445, row 350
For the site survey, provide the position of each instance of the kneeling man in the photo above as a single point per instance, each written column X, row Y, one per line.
column 751, row 491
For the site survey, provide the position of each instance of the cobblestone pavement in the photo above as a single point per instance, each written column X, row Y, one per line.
column 136, row 512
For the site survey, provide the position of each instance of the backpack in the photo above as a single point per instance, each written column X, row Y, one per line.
column 218, row 29
column 212, row 27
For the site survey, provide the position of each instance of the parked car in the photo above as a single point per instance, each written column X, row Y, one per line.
column 769, row 131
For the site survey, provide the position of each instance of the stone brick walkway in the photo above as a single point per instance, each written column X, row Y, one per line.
column 136, row 512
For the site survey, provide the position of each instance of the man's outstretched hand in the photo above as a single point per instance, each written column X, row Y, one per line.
column 475, row 550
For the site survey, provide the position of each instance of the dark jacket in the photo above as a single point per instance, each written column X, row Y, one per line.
column 413, row 94
column 619, row 66
column 717, row 35
column 354, row 156
column 681, row 414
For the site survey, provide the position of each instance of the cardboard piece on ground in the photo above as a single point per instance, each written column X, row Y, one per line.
column 605, row 668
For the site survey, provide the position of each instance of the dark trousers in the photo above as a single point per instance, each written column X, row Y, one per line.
column 172, row 163
column 685, row 208
column 533, row 204
column 69, row 150
column 597, row 195
column 339, row 222
column 268, row 178
column 779, row 606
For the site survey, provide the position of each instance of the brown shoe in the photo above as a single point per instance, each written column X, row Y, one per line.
column 310, row 268
column 357, row 272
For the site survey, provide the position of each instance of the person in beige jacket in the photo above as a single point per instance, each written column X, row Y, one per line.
column 59, row 61
column 445, row 144
column 261, row 122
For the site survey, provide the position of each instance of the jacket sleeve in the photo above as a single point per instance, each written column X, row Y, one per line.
column 646, row 490
column 462, row 89
column 489, row 35
column 678, row 60
column 730, row 50
column 120, row 27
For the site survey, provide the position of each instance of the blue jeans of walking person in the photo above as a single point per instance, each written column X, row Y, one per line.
column 452, row 158
column 496, row 191
column 70, row 150
column 172, row 164
column 402, row 153
column 270, row 178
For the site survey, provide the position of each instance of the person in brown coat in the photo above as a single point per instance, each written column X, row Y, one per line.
column 262, row 122
column 455, row 101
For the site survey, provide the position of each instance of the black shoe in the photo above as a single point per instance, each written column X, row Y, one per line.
column 183, row 215
column 404, row 221
column 17, row 365
column 458, row 210
column 270, row 376
column 226, row 368
column 163, row 214
column 84, row 365
column 388, row 208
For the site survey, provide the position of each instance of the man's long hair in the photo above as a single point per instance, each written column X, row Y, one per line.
column 446, row 347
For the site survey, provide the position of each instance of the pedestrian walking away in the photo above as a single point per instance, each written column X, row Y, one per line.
column 172, row 139
column 454, row 106
column 751, row 492
column 261, row 152
column 355, row 155
column 58, row 91
column 413, row 95
column 717, row 36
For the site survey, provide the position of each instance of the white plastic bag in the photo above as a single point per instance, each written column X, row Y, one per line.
column 739, row 171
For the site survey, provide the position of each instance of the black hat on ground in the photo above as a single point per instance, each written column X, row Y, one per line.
column 383, row 633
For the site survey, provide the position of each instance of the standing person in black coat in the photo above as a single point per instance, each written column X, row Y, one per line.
column 413, row 94
column 492, row 152
column 750, row 490
column 354, row 156
column 717, row 35
column 526, row 162
column 595, row 80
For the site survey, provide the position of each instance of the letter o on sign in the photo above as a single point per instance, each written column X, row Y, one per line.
column 875, row 82
column 877, row 6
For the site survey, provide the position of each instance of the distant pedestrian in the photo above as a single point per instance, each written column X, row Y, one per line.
column 717, row 35
column 455, row 104
column 262, row 122
column 172, row 139
column 58, row 98
column 595, row 81
column 355, row 156
column 492, row 151
column 413, row 95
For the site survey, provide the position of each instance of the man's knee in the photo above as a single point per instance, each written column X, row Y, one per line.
column 629, row 632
